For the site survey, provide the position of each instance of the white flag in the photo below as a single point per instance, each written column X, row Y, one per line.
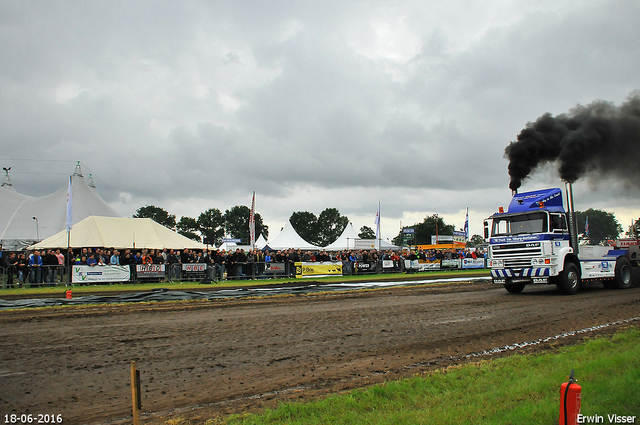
column 377, row 222
column 252, row 221
column 466, row 226
column 69, row 208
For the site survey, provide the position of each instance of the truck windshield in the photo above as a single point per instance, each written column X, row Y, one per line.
column 520, row 224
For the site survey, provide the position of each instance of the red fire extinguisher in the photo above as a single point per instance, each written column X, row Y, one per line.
column 570, row 401
column 68, row 294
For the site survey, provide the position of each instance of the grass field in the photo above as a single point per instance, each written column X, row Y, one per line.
column 520, row 389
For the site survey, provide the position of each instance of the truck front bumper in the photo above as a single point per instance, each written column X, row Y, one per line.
column 525, row 275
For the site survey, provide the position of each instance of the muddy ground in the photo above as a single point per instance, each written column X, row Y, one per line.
column 200, row 359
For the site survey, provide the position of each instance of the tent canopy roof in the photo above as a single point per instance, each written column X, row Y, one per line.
column 289, row 238
column 26, row 219
column 120, row 233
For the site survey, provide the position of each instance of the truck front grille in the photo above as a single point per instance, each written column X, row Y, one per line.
column 516, row 255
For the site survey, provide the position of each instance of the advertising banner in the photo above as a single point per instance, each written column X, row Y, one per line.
column 423, row 265
column 459, row 236
column 275, row 268
column 387, row 264
column 364, row 244
column 473, row 263
column 99, row 274
column 365, row 267
column 324, row 268
column 452, row 264
column 150, row 271
column 194, row 270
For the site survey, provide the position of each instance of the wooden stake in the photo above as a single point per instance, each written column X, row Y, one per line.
column 135, row 392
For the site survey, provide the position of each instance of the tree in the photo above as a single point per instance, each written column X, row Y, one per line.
column 188, row 227
column 330, row 226
column 211, row 225
column 602, row 226
column 366, row 232
column 322, row 230
column 237, row 223
column 305, row 223
column 475, row 241
column 158, row 215
column 423, row 231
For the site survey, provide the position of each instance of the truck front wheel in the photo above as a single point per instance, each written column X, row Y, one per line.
column 569, row 279
column 622, row 279
column 514, row 288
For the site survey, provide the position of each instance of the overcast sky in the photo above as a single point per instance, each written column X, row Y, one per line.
column 190, row 105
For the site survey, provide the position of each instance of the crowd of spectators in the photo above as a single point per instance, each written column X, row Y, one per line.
column 50, row 266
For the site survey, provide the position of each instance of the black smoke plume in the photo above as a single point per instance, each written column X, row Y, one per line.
column 600, row 137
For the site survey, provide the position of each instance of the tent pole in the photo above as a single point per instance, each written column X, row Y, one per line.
column 68, row 257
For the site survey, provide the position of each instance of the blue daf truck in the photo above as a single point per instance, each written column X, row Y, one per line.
column 535, row 242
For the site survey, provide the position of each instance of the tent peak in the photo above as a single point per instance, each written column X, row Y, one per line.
column 90, row 182
column 7, row 180
column 78, row 170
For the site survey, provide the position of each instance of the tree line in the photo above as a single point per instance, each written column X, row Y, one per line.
column 213, row 225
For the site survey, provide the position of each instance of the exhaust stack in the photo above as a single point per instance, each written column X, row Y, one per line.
column 573, row 224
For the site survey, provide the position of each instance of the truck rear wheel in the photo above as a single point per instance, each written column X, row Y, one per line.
column 514, row 288
column 623, row 274
column 569, row 279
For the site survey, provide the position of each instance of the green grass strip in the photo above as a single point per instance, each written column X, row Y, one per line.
column 520, row 389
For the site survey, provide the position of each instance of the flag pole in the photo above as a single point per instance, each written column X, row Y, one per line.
column 69, row 225
column 252, row 222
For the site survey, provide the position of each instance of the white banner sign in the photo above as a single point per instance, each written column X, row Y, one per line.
column 364, row 244
column 473, row 263
column 425, row 265
column 94, row 274
column 452, row 264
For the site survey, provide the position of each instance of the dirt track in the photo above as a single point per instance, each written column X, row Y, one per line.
column 201, row 359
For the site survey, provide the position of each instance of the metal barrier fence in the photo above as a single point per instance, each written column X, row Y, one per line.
column 30, row 276
column 208, row 272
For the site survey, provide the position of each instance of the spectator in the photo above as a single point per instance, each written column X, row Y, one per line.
column 11, row 266
column 91, row 261
column 115, row 258
column 22, row 268
column 61, row 264
column 146, row 257
column 35, row 268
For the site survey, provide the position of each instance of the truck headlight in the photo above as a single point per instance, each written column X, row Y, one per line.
column 540, row 261
column 496, row 263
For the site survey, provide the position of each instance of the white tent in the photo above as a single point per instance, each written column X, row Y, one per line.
column 261, row 242
column 345, row 241
column 25, row 220
column 289, row 238
column 348, row 238
column 232, row 246
column 120, row 233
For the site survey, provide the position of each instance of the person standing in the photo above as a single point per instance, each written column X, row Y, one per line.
column 10, row 265
column 115, row 258
column 35, row 268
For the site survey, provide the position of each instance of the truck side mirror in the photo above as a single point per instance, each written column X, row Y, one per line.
column 486, row 230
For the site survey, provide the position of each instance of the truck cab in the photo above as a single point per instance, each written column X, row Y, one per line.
column 533, row 242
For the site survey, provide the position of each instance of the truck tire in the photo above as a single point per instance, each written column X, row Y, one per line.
column 569, row 280
column 514, row 288
column 622, row 278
